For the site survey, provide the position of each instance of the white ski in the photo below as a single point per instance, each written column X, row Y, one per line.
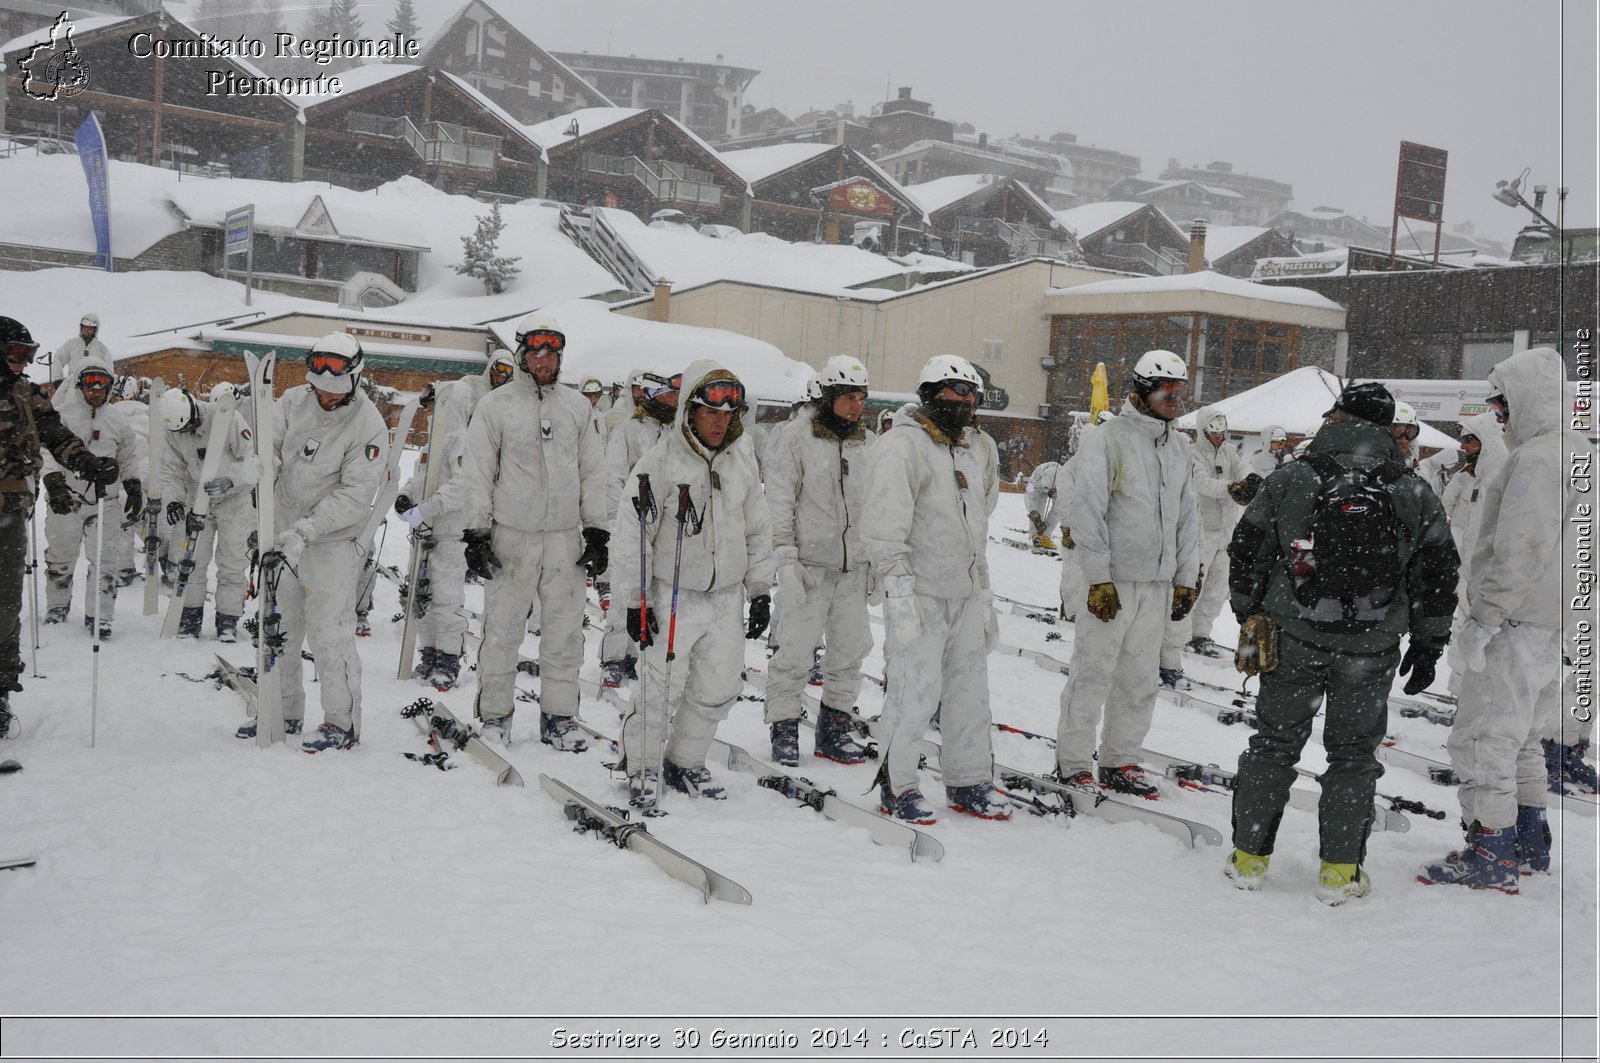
column 216, row 442
column 433, row 457
column 269, row 699
column 152, row 502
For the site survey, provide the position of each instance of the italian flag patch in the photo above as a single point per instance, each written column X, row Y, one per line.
column 372, row 451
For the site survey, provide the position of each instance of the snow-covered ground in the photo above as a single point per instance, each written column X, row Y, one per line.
column 184, row 872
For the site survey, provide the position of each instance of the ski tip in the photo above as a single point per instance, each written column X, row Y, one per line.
column 9, row 766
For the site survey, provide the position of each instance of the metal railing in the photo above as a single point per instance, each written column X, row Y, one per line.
column 1023, row 239
column 599, row 238
column 1164, row 262
column 435, row 142
column 674, row 183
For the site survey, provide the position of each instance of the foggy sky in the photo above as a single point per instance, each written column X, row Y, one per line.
column 1317, row 94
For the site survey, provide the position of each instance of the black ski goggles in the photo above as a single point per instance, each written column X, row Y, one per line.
column 720, row 395
column 22, row 353
column 963, row 389
column 656, row 386
column 1408, row 432
column 1500, row 408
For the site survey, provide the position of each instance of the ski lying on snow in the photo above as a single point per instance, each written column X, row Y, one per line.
column 445, row 732
column 884, row 832
column 1384, row 818
column 1412, row 709
column 12, row 863
column 612, row 825
column 243, row 682
column 1081, row 799
column 9, row 766
column 1026, row 547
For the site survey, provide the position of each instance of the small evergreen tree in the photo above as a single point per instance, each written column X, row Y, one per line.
column 479, row 257
column 405, row 21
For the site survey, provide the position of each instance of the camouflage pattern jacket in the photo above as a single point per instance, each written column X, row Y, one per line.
column 28, row 422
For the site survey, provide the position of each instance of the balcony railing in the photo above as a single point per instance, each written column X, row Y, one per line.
column 1023, row 239
column 666, row 181
column 434, row 142
column 1163, row 262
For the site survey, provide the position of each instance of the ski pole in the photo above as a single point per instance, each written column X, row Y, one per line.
column 99, row 548
column 33, row 588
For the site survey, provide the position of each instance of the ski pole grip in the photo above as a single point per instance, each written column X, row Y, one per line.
column 644, row 503
column 683, row 503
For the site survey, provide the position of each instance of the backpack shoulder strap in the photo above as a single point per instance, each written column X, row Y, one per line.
column 1323, row 464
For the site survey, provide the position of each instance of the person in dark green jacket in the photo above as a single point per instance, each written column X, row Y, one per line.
column 1340, row 613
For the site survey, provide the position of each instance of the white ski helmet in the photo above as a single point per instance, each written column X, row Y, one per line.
column 128, row 387
column 333, row 364
column 179, row 411
column 1155, row 366
column 1274, row 434
column 1404, row 414
column 538, row 332
column 224, row 389
column 943, row 367
column 591, row 386
column 1216, row 424
column 845, row 372
column 91, row 320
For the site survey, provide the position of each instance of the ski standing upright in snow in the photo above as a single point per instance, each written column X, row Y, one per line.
column 195, row 520
column 414, row 601
column 152, row 504
column 269, row 698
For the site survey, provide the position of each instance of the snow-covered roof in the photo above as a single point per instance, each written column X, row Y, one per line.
column 611, row 345
column 566, row 72
column 139, row 216
column 1202, row 281
column 935, row 195
column 1295, row 402
column 758, row 164
column 552, row 132
column 492, row 107
column 355, row 79
column 280, row 206
column 1224, row 240
column 1093, row 218
column 1205, row 292
column 1165, row 186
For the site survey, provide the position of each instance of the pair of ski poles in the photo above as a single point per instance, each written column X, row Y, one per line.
column 644, row 504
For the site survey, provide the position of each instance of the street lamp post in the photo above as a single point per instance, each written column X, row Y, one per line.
column 1510, row 193
column 577, row 139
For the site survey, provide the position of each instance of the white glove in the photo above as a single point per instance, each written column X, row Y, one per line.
column 900, row 610
column 1468, row 650
column 291, row 546
column 413, row 516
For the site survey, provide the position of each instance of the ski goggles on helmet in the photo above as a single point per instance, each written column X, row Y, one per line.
column 656, row 386
column 542, row 341
column 720, row 394
column 1500, row 408
column 963, row 388
column 501, row 370
column 329, row 362
column 1405, row 431
column 17, row 351
column 95, row 381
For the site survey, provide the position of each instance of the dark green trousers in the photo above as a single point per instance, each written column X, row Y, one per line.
column 13, row 560
column 1356, row 690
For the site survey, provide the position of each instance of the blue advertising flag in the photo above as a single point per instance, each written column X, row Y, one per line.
column 92, row 153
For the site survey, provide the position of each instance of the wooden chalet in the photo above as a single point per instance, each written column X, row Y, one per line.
column 422, row 121
column 155, row 110
column 820, row 193
column 492, row 55
column 1232, row 250
column 987, row 219
column 1132, row 237
column 638, row 161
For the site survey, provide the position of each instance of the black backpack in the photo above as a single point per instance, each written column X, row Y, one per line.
column 1346, row 572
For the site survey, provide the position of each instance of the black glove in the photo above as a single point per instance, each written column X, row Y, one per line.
column 58, row 495
column 98, row 470
column 1419, row 661
column 174, row 512
column 595, row 556
column 480, row 555
column 649, row 627
column 760, row 616
column 134, row 491
column 194, row 524
column 403, row 503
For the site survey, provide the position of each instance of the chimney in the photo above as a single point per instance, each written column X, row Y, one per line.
column 1197, row 246
column 983, row 141
column 905, row 92
column 663, row 299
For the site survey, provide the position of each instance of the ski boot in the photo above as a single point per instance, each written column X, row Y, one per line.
column 189, row 621
column 786, row 743
column 1174, row 679
column 612, row 674
column 1533, row 840
column 1337, row 883
column 696, row 782
column 835, row 741
column 980, row 799
column 105, row 628
column 363, row 628
column 167, row 571
column 1203, row 646
column 909, row 807
column 126, row 576
column 1128, row 779
column 1487, row 862
column 328, row 736
column 496, row 729
column 1246, row 869
column 57, row 614
column 562, row 733
column 1555, row 767
column 816, row 678
column 227, row 627
column 643, row 788
column 446, row 667
column 248, row 728
column 8, row 719
column 1577, row 770
column 426, row 655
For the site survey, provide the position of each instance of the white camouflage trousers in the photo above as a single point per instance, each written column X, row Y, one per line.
column 318, row 609
column 946, row 670
column 707, row 675
column 1503, row 713
column 537, row 567
column 1111, row 677
column 233, row 519
column 1213, row 590
column 835, row 606
column 68, row 534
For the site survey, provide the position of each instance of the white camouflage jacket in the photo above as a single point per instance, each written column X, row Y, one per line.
column 185, row 454
column 107, row 431
column 816, row 488
column 329, row 464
